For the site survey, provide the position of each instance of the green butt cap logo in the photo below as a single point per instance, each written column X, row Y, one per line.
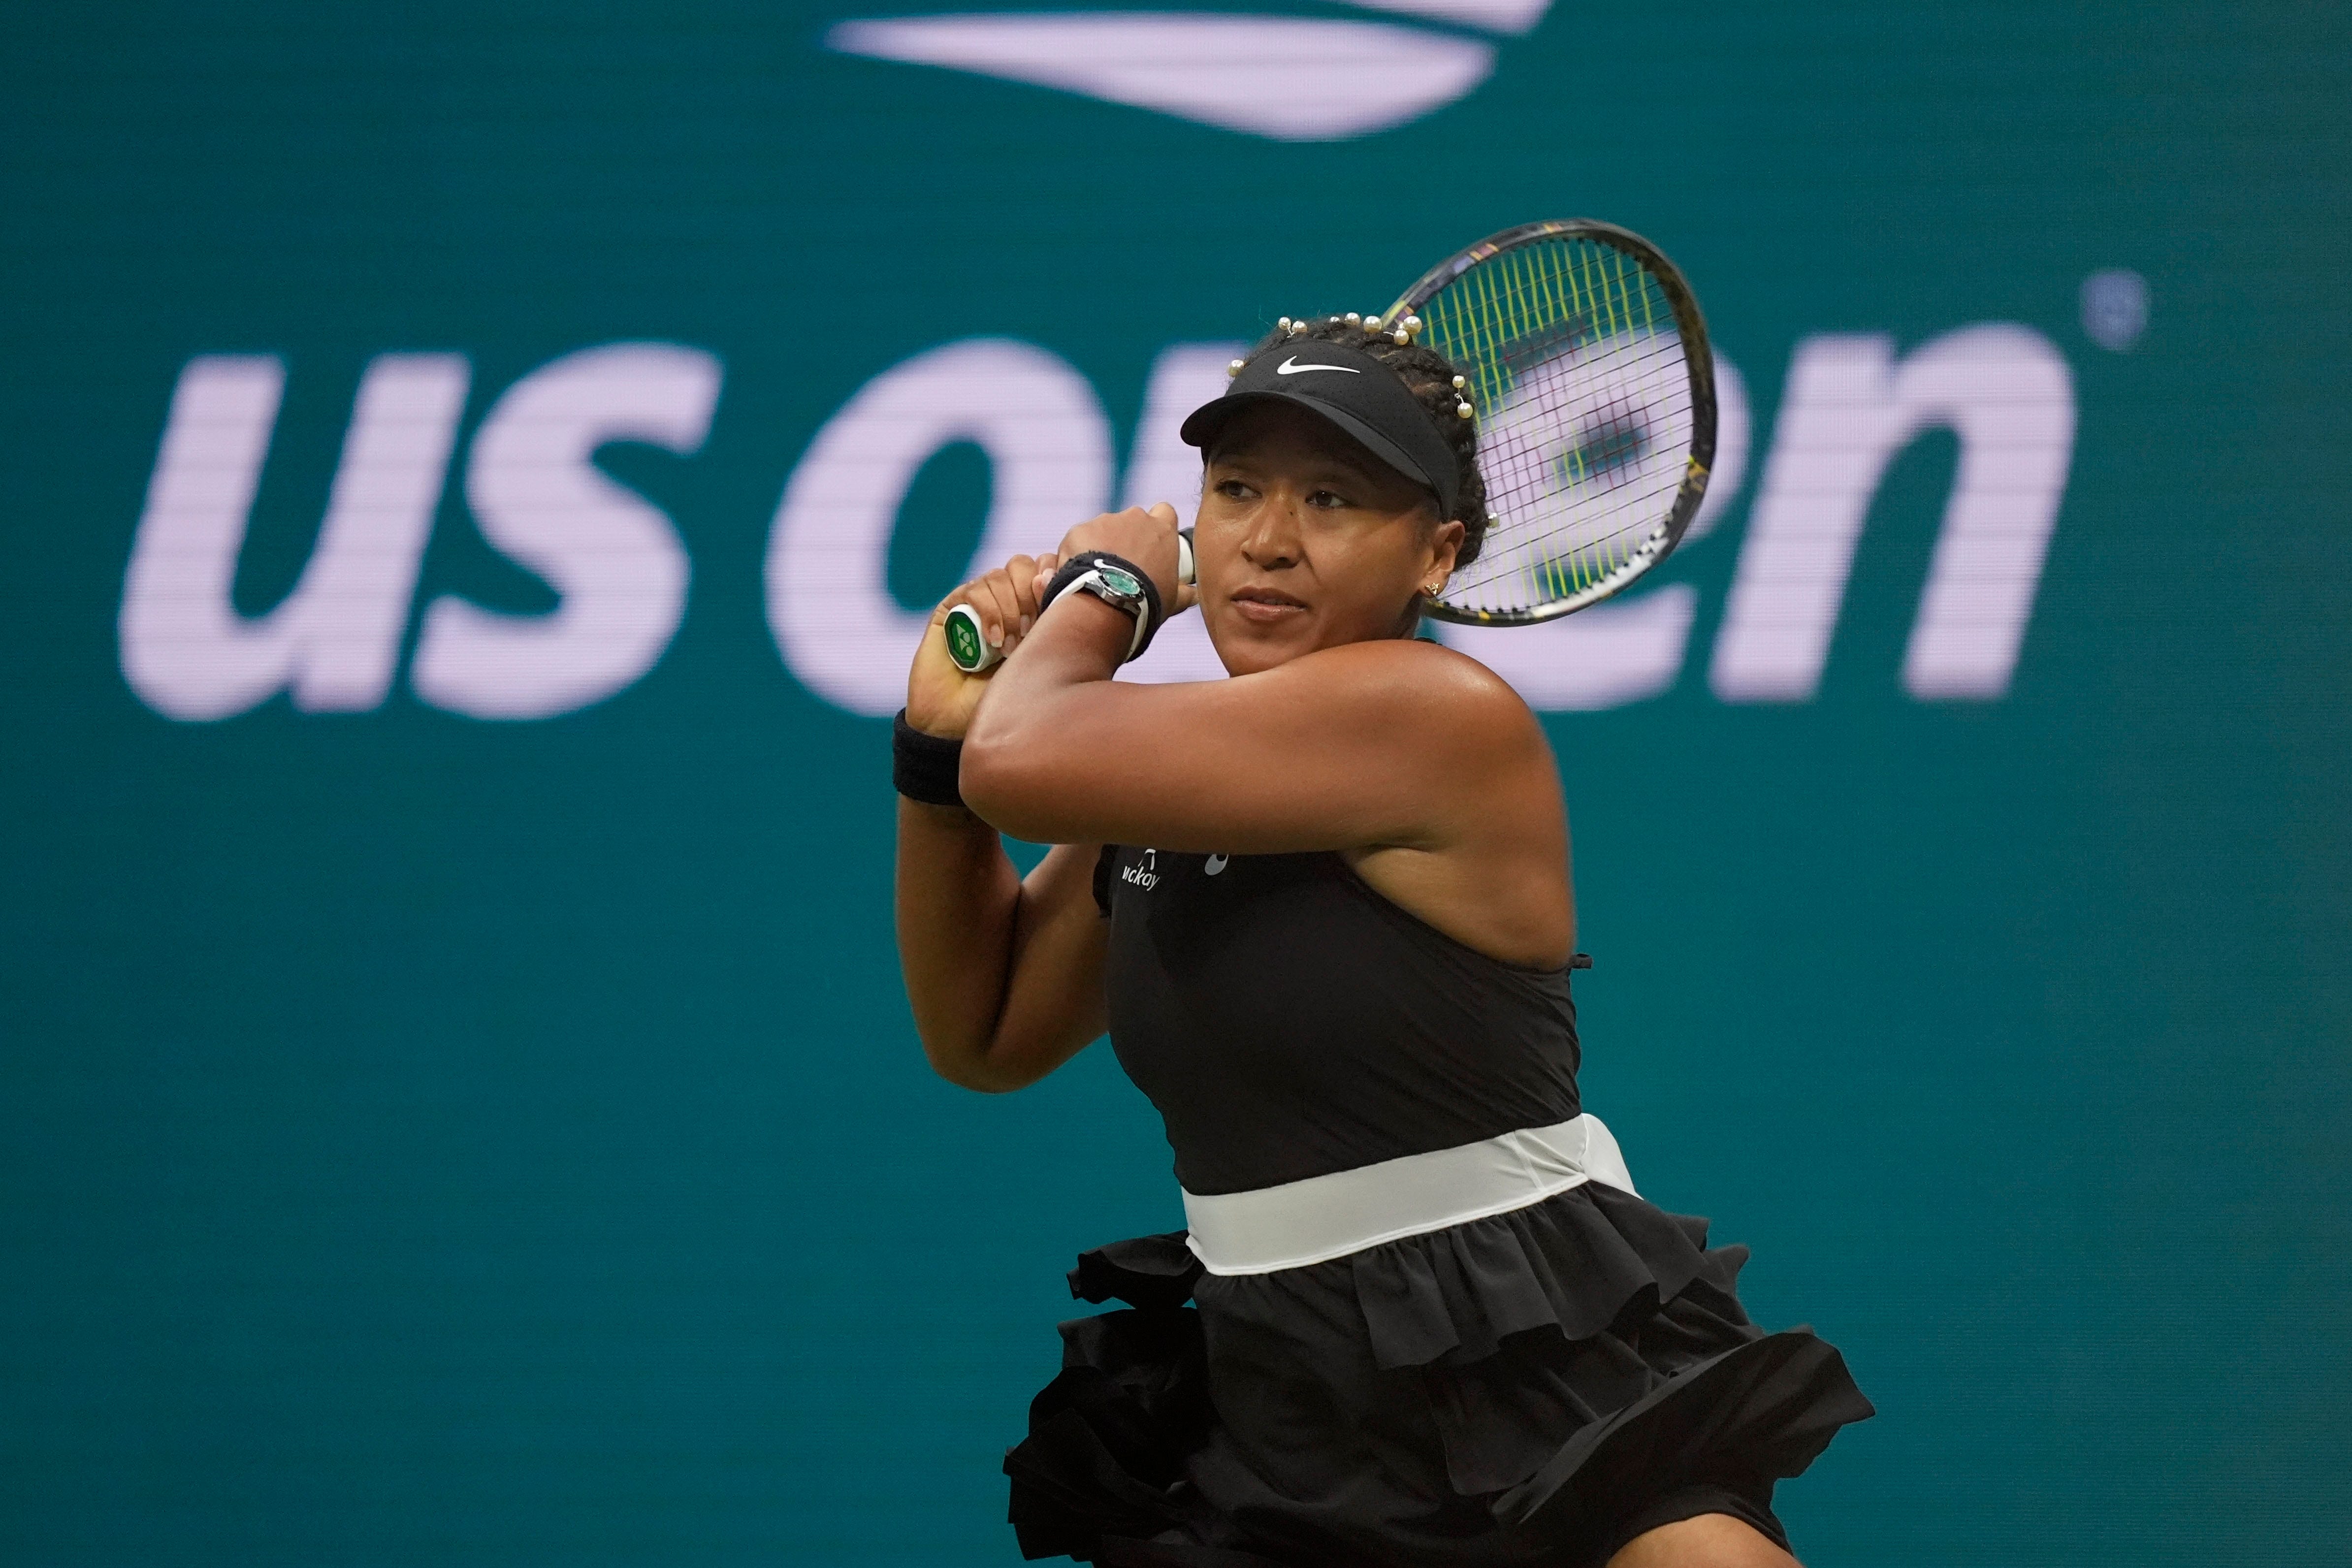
column 963, row 640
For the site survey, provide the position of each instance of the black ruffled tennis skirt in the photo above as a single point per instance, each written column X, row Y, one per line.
column 1539, row 1387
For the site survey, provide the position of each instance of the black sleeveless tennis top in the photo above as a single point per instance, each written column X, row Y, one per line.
column 1287, row 1021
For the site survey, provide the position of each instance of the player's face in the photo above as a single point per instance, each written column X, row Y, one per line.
column 1306, row 540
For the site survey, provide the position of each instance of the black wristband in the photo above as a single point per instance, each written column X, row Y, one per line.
column 925, row 768
column 1079, row 565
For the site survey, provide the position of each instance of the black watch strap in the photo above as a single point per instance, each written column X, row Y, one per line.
column 1085, row 561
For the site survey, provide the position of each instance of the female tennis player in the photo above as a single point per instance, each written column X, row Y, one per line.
column 1323, row 908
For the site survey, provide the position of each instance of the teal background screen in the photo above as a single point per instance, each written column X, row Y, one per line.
column 457, row 1101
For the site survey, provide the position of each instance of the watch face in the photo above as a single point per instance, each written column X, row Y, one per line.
column 1119, row 581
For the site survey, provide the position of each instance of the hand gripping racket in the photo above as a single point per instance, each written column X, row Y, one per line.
column 1593, row 387
column 969, row 646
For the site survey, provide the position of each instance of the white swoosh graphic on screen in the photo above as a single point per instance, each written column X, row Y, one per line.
column 1287, row 78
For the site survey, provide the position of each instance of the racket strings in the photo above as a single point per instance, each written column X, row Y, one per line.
column 1586, row 423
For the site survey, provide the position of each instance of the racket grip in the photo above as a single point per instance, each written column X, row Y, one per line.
column 969, row 646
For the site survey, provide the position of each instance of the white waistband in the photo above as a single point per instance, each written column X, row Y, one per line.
column 1327, row 1216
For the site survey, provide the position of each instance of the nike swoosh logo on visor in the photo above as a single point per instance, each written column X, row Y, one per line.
column 1291, row 367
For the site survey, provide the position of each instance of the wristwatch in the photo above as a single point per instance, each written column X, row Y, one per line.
column 1116, row 583
column 1117, row 587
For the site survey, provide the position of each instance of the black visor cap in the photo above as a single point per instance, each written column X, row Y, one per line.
column 1352, row 390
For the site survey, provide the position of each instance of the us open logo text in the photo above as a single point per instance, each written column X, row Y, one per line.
column 1849, row 402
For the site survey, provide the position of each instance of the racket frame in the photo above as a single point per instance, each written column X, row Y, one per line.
column 1698, row 360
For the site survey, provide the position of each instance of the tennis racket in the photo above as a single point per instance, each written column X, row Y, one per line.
column 968, row 647
column 1589, row 369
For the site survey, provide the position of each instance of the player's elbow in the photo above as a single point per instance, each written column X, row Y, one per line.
column 979, row 1071
column 966, row 1075
column 1009, row 787
column 985, row 774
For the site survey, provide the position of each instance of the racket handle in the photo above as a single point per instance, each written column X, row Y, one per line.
column 966, row 644
column 969, row 646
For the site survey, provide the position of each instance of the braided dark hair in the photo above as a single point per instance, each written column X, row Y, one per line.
column 1429, row 376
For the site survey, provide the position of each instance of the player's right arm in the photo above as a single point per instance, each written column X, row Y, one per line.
column 1005, row 974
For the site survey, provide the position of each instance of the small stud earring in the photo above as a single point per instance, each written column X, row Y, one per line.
column 1431, row 589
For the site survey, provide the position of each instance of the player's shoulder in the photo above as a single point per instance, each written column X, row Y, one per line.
column 1428, row 683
